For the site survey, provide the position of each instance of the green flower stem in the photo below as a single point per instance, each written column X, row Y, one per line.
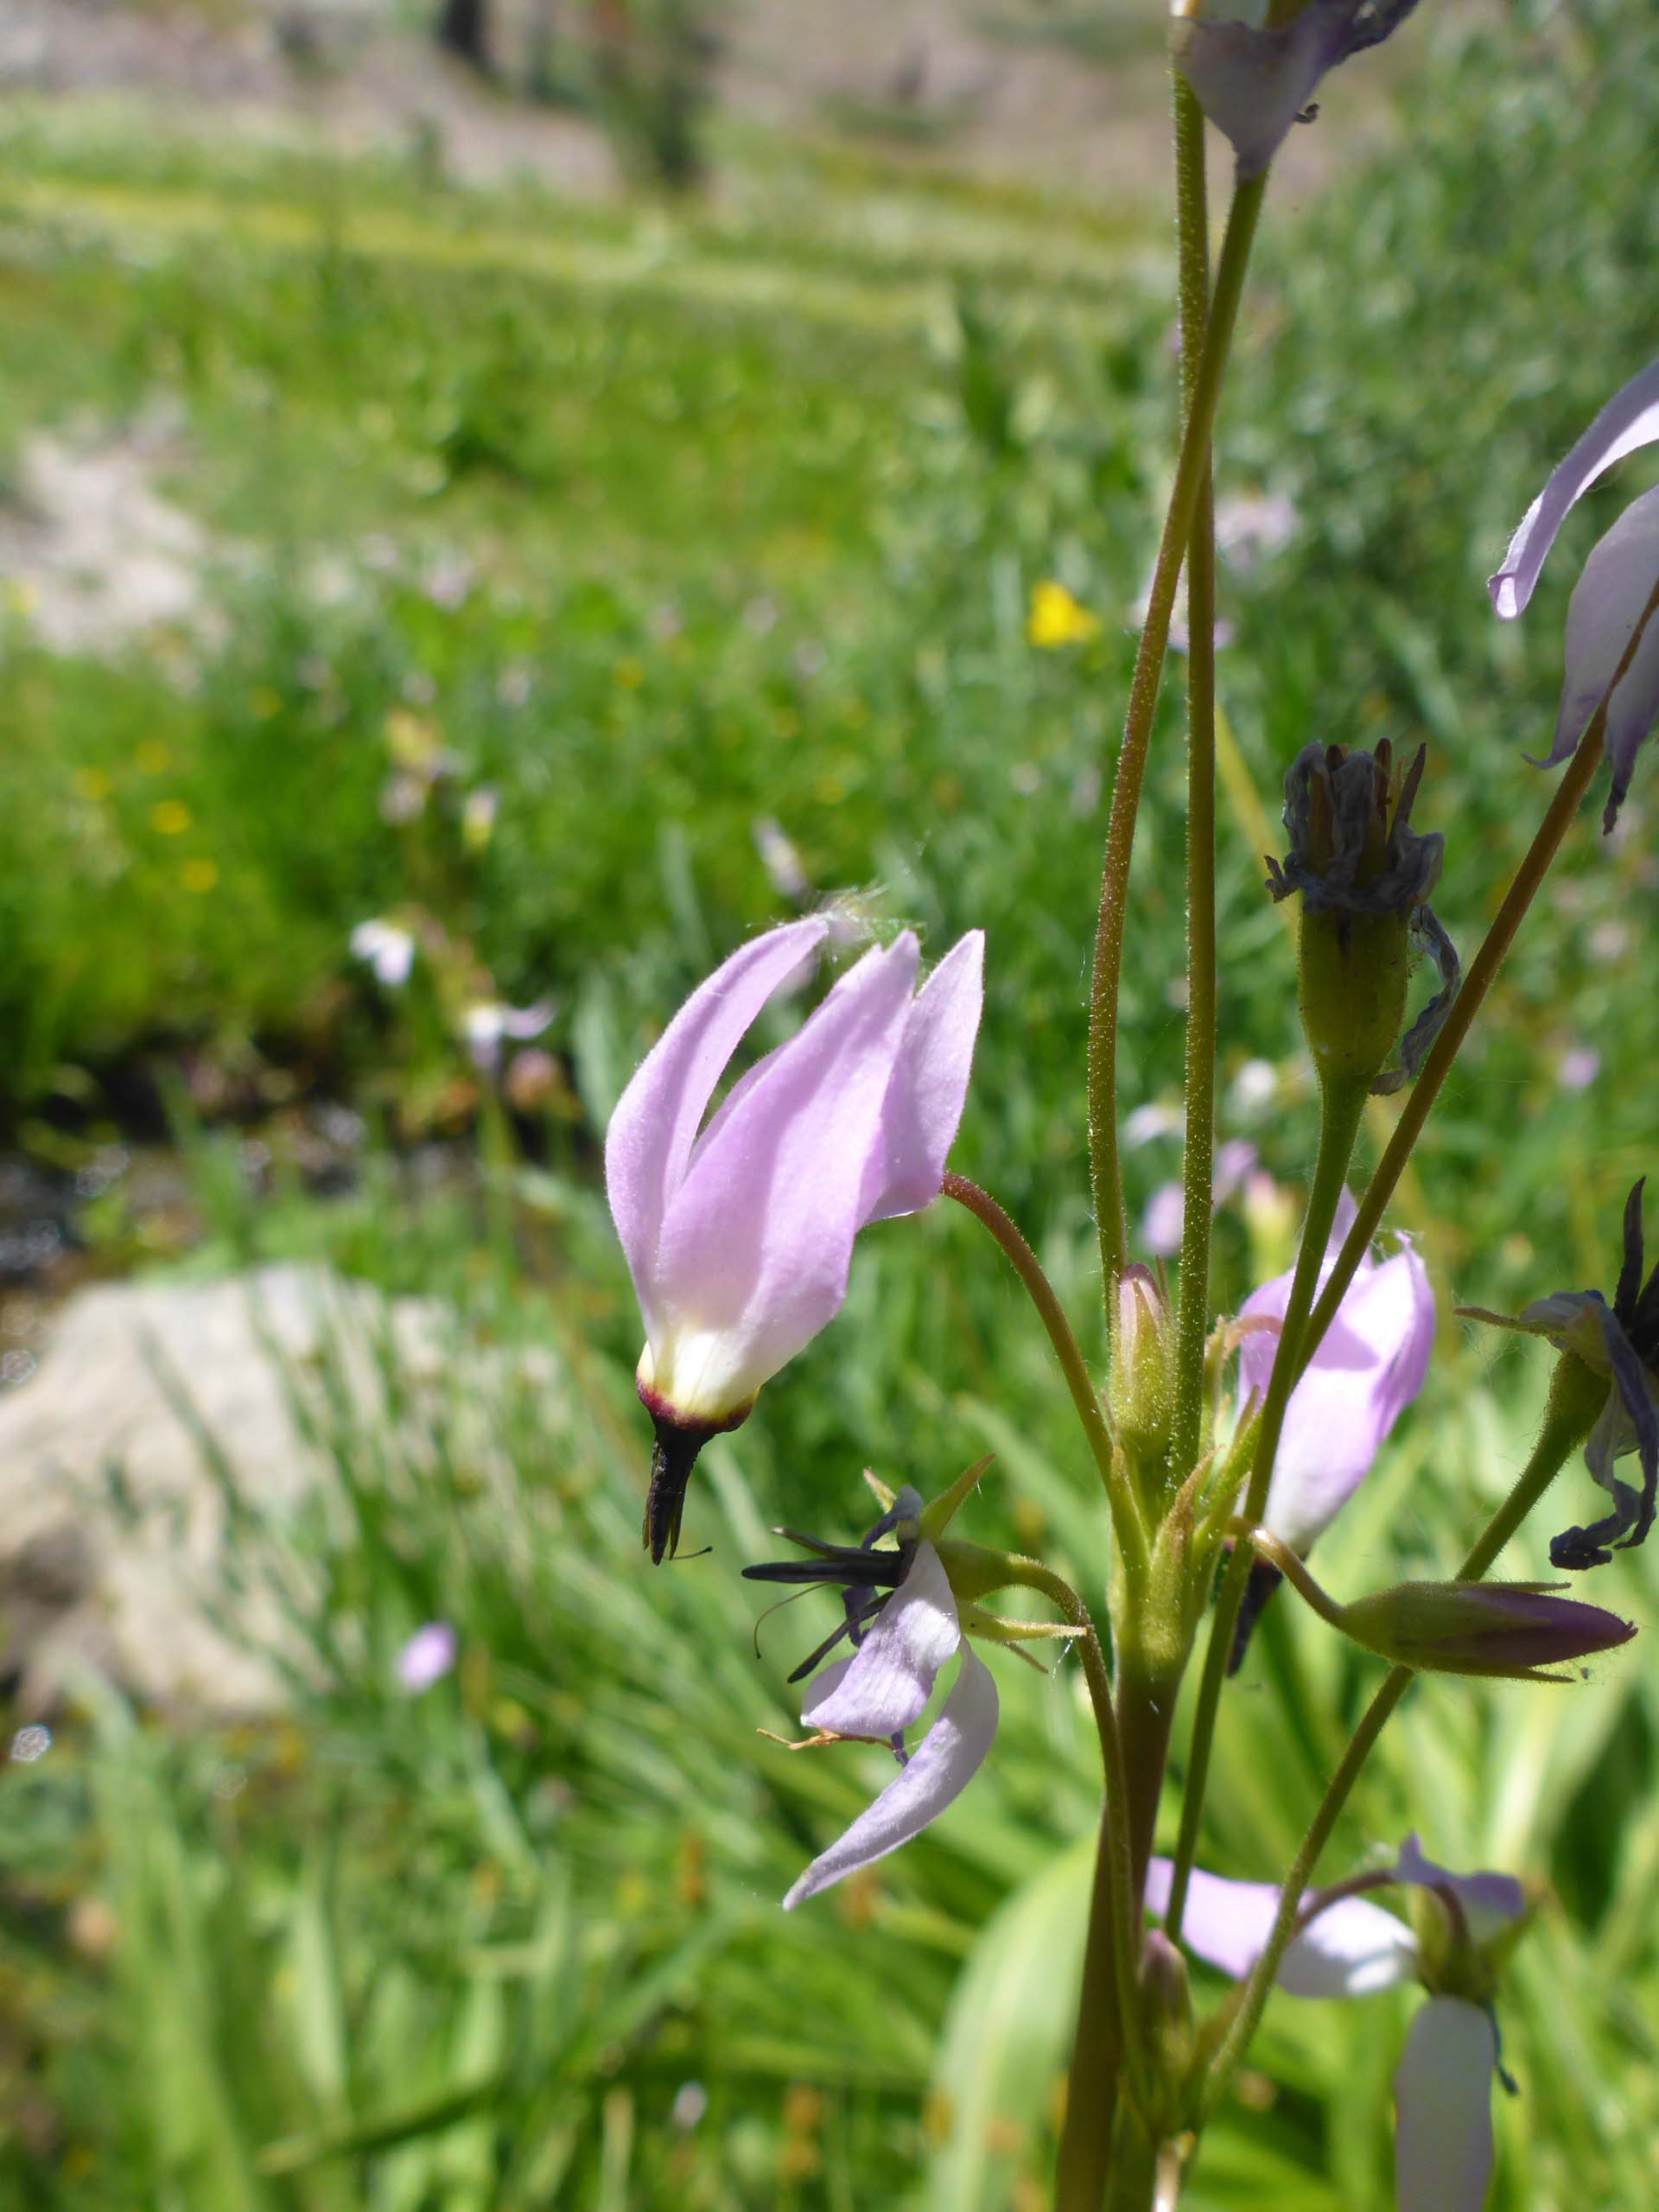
column 1483, row 971
column 1198, row 1165
column 1342, row 1104
column 1112, row 1951
column 1191, row 470
column 1111, row 1957
column 1044, row 1297
column 1266, row 1546
column 1575, row 1398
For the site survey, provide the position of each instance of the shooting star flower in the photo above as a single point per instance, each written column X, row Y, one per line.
column 739, row 1235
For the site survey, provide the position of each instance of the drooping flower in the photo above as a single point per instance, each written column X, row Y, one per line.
column 739, row 1235
column 1612, row 595
column 387, row 948
column 1369, row 1367
column 426, row 1657
column 903, row 1619
column 1621, row 1343
column 1345, row 1946
column 1254, row 63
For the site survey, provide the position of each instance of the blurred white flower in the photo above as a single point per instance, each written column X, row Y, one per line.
column 781, row 859
column 487, row 1024
column 426, row 1657
column 388, row 950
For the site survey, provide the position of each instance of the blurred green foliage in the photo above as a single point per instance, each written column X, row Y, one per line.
column 662, row 527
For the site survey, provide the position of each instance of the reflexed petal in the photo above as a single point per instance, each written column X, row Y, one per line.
column 1488, row 1902
column 1628, row 420
column 949, row 1757
column 1352, row 1948
column 752, row 1253
column 892, row 1675
column 1369, row 1367
column 930, row 1083
column 1443, row 2119
column 1608, row 601
column 655, row 1123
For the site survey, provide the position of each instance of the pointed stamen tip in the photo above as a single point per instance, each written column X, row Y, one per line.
column 673, row 1455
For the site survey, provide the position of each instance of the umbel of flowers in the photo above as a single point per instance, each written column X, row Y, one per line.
column 1224, row 1443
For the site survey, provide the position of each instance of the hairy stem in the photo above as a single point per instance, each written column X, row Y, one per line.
column 1191, row 470
column 1343, row 1103
column 1111, row 1954
column 1044, row 1297
column 1198, row 1166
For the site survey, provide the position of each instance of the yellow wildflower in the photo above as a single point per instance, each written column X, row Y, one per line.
column 170, row 817
column 1056, row 619
column 198, row 874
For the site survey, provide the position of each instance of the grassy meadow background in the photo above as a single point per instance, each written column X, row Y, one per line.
column 667, row 521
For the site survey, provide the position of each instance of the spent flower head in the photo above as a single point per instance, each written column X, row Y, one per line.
column 1618, row 1343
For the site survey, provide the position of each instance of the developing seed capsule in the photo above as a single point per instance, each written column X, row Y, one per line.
column 1364, row 876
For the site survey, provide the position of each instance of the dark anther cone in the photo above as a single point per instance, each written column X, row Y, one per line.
column 672, row 1458
column 1264, row 1580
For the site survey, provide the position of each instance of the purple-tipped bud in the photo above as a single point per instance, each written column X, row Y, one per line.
column 1518, row 1630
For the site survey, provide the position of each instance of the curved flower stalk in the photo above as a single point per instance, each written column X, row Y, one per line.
column 1368, row 1366
column 739, row 1235
column 1620, row 1344
column 1613, row 592
column 1345, row 1946
column 1254, row 63
column 905, row 1623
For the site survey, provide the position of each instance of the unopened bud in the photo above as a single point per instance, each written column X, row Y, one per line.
column 1514, row 1629
column 1140, row 1394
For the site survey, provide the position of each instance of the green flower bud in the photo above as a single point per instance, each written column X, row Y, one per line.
column 1515, row 1631
column 1141, row 1396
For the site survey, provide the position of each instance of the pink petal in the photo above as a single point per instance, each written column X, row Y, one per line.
column 1349, row 1950
column 1488, row 1902
column 1630, row 419
column 753, row 1249
column 1443, row 2116
column 930, row 1083
column 1608, row 601
column 652, row 1129
column 948, row 1759
column 1370, row 1365
column 893, row 1673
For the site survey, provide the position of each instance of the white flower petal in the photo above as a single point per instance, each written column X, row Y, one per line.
column 1608, row 601
column 1350, row 1949
column 893, row 1673
column 949, row 1757
column 1630, row 419
column 1443, row 2099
